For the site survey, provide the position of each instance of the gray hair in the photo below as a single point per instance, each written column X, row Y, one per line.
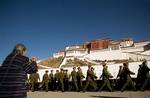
column 19, row 49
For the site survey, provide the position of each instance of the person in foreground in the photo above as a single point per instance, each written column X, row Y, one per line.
column 13, row 73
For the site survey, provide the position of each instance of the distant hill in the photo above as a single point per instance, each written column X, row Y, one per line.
column 51, row 62
column 55, row 62
column 77, row 62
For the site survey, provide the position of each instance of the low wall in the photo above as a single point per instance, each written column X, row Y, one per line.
column 112, row 68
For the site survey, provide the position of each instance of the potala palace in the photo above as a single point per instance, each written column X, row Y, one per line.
column 107, row 50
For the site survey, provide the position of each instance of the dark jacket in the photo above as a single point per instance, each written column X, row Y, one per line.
column 13, row 73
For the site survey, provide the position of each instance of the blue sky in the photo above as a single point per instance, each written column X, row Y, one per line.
column 47, row 26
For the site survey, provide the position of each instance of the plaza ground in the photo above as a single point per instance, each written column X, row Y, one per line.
column 116, row 94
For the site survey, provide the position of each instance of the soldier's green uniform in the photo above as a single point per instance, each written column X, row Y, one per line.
column 73, row 75
column 66, row 80
column 36, row 80
column 51, row 77
column 126, row 74
column 56, row 80
column 105, row 76
column 80, row 76
column 45, row 81
column 139, row 79
column 61, row 80
column 145, row 75
column 33, row 78
column 90, row 79
column 120, row 81
column 37, row 77
column 51, row 80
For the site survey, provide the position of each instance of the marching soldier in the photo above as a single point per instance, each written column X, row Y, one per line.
column 90, row 79
column 56, row 80
column 120, row 76
column 80, row 77
column 66, row 80
column 73, row 75
column 61, row 79
column 51, row 80
column 139, row 79
column 94, row 77
column 34, row 78
column 31, row 81
column 45, row 80
column 106, row 75
column 145, row 74
column 126, row 74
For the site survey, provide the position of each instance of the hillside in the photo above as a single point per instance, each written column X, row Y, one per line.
column 51, row 62
column 55, row 62
column 77, row 62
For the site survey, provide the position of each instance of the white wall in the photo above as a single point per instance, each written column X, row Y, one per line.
column 107, row 55
column 76, row 53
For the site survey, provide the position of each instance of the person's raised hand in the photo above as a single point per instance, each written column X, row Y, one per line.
column 34, row 58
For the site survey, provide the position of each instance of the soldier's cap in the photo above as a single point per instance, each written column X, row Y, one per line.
column 103, row 64
column 120, row 66
column 89, row 65
column 144, row 62
column 74, row 67
column 92, row 67
column 79, row 68
column 61, row 68
column 46, row 71
column 125, row 63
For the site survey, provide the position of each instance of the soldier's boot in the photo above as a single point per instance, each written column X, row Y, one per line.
column 76, row 87
column 62, row 88
column 87, row 84
column 144, row 85
column 125, row 85
column 109, row 86
column 81, row 89
column 95, row 86
column 104, row 84
column 32, row 89
column 46, row 87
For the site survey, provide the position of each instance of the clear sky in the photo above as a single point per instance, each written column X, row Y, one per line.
column 47, row 26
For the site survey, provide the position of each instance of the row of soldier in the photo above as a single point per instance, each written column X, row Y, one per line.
column 61, row 80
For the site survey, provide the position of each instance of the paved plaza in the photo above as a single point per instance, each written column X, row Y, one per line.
column 116, row 94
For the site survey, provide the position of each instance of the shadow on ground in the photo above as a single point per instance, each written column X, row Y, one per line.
column 107, row 97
